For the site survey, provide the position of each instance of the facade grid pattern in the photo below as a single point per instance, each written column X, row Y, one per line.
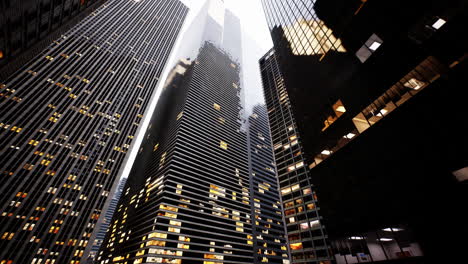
column 68, row 119
column 306, row 233
column 269, row 232
column 188, row 199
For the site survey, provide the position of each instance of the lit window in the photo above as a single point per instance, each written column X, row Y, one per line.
column 217, row 107
column 371, row 45
column 414, row 84
column 439, row 23
column 223, row 145
column 296, row 246
column 287, row 190
column 356, row 238
column 393, row 229
column 375, row 45
column 180, row 115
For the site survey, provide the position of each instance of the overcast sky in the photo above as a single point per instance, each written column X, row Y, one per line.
column 256, row 42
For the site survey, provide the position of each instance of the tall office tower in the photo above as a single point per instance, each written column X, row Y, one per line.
column 101, row 233
column 28, row 27
column 268, row 229
column 67, row 121
column 187, row 198
column 307, row 236
column 368, row 96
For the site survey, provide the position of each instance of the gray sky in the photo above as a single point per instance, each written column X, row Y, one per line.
column 257, row 42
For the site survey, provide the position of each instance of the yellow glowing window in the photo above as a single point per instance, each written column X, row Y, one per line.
column 296, row 246
column 223, row 145
column 33, row 142
column 156, row 147
column 157, row 235
column 179, row 116
column 217, row 107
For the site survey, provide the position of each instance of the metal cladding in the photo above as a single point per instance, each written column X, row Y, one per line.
column 68, row 119
column 307, row 236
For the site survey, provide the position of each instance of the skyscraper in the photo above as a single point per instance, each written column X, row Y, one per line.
column 28, row 27
column 269, row 229
column 101, row 233
column 68, row 119
column 187, row 199
column 369, row 83
column 307, row 236
column 191, row 196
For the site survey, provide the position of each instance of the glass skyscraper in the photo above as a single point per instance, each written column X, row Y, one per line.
column 68, row 119
column 270, row 241
column 372, row 85
column 307, row 236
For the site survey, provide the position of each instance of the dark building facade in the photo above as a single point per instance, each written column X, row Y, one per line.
column 187, row 199
column 28, row 27
column 372, row 85
column 306, row 233
column 269, row 234
column 104, row 227
column 68, row 119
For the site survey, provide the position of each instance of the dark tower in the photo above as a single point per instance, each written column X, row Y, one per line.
column 27, row 27
column 307, row 236
column 373, row 86
column 187, row 199
column 68, row 119
column 267, row 211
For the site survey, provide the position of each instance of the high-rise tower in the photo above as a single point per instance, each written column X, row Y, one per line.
column 187, row 199
column 267, row 211
column 190, row 197
column 68, row 119
column 307, row 236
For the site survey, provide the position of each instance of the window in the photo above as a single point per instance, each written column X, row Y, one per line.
column 217, row 106
column 180, row 115
column 439, row 23
column 223, row 145
column 288, row 189
column 296, row 246
column 371, row 45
